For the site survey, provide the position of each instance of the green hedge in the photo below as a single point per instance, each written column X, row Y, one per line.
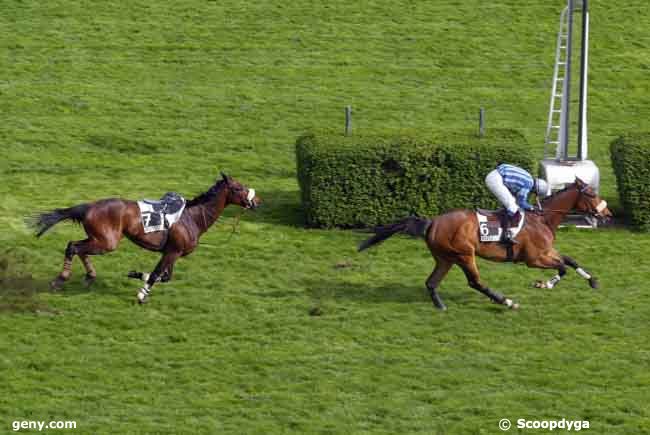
column 361, row 181
column 631, row 162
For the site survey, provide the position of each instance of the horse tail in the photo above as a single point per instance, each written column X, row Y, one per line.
column 413, row 226
column 45, row 221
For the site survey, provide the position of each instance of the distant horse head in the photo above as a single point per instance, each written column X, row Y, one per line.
column 234, row 192
column 239, row 194
column 590, row 203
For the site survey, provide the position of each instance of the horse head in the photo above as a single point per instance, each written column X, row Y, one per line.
column 589, row 202
column 239, row 194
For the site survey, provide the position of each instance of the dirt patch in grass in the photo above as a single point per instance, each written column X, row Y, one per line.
column 19, row 292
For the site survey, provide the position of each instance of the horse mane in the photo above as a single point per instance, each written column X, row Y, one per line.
column 207, row 195
column 564, row 189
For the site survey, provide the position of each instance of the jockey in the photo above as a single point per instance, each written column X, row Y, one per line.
column 511, row 185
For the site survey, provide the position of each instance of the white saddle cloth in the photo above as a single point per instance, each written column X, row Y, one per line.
column 153, row 220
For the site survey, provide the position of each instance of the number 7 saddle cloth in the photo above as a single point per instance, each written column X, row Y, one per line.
column 158, row 215
column 489, row 224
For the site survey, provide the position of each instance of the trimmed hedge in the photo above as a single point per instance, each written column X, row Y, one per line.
column 361, row 181
column 631, row 162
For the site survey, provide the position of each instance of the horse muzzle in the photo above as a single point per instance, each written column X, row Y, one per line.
column 252, row 201
column 601, row 212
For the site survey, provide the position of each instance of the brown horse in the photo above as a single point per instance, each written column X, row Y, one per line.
column 453, row 238
column 107, row 220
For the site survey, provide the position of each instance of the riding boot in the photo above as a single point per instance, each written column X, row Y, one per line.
column 510, row 221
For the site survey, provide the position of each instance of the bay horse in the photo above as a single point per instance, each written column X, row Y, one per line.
column 453, row 239
column 106, row 221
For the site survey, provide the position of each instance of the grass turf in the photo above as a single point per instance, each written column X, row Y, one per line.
column 135, row 99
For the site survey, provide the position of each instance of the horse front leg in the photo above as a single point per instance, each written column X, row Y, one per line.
column 468, row 264
column 593, row 281
column 164, row 264
column 549, row 260
column 165, row 276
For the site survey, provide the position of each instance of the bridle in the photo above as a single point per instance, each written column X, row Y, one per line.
column 249, row 196
column 594, row 211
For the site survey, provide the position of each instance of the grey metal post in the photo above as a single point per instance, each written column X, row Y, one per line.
column 582, row 114
column 481, row 122
column 566, row 94
column 348, row 120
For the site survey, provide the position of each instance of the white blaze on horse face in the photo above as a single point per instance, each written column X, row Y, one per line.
column 601, row 206
column 251, row 195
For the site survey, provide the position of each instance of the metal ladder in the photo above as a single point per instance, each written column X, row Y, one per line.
column 554, row 127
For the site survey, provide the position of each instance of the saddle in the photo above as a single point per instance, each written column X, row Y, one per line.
column 170, row 203
column 161, row 214
column 490, row 224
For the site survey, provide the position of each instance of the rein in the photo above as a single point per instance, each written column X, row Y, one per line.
column 235, row 224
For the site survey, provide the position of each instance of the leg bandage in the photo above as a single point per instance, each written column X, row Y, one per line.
column 582, row 273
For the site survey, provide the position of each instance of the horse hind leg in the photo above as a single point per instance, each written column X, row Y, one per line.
column 91, row 273
column 82, row 248
column 66, row 273
column 439, row 272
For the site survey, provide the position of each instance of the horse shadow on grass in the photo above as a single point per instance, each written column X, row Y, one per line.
column 20, row 294
column 384, row 293
column 279, row 207
column 20, row 291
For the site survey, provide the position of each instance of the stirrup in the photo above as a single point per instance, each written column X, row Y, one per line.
column 507, row 239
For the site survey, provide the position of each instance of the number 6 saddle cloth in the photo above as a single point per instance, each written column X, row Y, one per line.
column 158, row 215
column 489, row 225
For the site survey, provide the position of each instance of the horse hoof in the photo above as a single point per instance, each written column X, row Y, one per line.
column 515, row 306
column 539, row 284
column 57, row 284
column 593, row 282
column 89, row 280
column 142, row 298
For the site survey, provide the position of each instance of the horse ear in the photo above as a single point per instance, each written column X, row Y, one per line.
column 224, row 177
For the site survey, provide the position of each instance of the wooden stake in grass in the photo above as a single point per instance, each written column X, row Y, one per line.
column 348, row 120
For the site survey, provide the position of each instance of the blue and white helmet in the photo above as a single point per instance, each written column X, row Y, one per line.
column 541, row 188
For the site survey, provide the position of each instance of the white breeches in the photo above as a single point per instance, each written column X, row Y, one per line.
column 494, row 182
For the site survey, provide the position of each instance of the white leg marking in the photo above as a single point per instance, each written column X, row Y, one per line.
column 143, row 293
column 145, row 276
column 551, row 282
column 508, row 302
column 582, row 273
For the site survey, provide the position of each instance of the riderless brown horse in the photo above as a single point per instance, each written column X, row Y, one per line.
column 107, row 220
column 453, row 238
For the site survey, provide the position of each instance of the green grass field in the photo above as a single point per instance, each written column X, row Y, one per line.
column 135, row 99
